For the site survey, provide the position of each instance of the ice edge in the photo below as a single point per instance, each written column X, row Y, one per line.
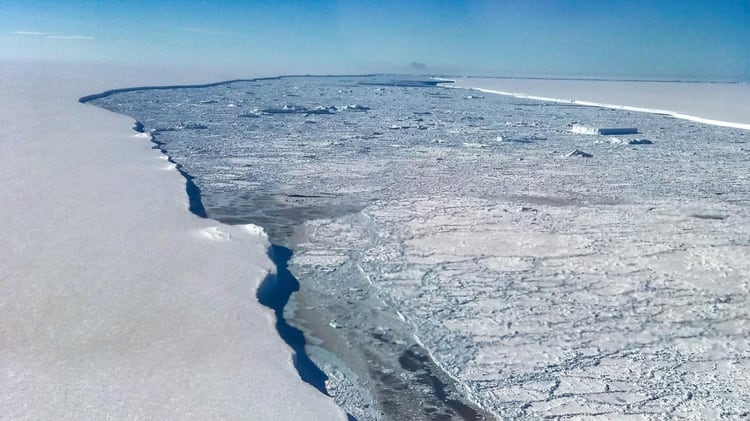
column 307, row 370
column 270, row 293
column 674, row 114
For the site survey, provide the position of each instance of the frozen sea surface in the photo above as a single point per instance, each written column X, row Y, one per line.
column 453, row 247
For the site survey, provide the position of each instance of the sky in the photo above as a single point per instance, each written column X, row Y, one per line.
column 636, row 39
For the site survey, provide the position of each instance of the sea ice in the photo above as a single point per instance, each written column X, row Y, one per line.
column 618, row 289
column 580, row 153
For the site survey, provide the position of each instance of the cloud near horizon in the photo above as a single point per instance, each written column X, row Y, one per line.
column 30, row 33
column 49, row 35
column 71, row 37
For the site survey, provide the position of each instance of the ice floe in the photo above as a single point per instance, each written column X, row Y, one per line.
column 580, row 153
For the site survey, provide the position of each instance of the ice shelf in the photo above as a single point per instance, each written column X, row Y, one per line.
column 115, row 301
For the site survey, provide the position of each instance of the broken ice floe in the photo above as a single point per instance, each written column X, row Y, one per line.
column 298, row 109
column 321, row 110
column 191, row 126
column 255, row 230
column 580, row 129
column 522, row 139
column 580, row 153
column 354, row 107
column 255, row 113
column 286, row 109
column 621, row 141
column 180, row 126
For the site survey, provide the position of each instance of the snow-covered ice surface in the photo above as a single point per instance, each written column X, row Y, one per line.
column 726, row 104
column 475, row 242
column 115, row 301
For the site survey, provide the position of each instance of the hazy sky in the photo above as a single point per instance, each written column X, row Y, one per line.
column 618, row 39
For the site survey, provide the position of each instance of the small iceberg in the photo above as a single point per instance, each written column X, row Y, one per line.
column 523, row 139
column 255, row 113
column 321, row 110
column 191, row 126
column 286, row 109
column 580, row 129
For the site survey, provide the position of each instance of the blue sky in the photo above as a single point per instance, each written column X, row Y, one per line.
column 615, row 39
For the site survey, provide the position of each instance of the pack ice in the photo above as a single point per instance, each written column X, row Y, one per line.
column 544, row 286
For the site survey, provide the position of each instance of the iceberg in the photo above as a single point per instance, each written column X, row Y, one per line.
column 577, row 128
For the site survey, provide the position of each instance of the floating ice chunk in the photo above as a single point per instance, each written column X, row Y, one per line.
column 255, row 230
column 400, row 316
column 215, row 234
column 355, row 107
column 519, row 140
column 577, row 128
column 254, row 113
column 181, row 126
column 618, row 130
column 620, row 141
column 708, row 216
column 321, row 110
column 286, row 109
column 191, row 126
column 580, row 129
column 580, row 153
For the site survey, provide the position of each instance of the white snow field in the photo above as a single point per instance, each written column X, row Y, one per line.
column 115, row 301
